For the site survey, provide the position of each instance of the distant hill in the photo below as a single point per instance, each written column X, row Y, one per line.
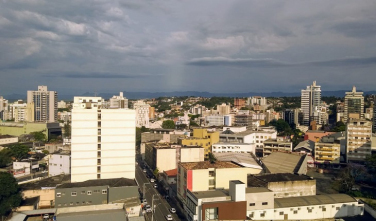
column 143, row 95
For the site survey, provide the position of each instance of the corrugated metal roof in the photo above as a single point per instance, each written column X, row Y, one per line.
column 312, row 200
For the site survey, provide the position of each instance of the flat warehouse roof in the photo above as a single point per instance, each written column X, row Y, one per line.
column 313, row 200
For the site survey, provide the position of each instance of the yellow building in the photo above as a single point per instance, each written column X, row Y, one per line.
column 328, row 149
column 201, row 137
column 203, row 176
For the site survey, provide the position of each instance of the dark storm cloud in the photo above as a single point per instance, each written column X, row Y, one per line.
column 272, row 63
column 159, row 45
column 357, row 29
column 96, row 75
column 256, row 63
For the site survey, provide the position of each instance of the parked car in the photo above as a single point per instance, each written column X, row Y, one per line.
column 144, row 170
column 169, row 217
column 172, row 210
column 152, row 180
column 155, row 186
column 148, row 209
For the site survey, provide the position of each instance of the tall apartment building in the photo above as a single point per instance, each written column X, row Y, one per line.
column 239, row 103
column 45, row 104
column 142, row 114
column 102, row 141
column 310, row 100
column 256, row 100
column 118, row 101
column 223, row 109
column 358, row 139
column 354, row 105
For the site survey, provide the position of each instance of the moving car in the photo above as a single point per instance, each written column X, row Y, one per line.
column 172, row 210
column 144, row 170
column 169, row 217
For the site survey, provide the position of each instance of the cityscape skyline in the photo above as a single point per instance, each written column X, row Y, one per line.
column 155, row 46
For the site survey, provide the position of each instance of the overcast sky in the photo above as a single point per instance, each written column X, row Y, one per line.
column 77, row 46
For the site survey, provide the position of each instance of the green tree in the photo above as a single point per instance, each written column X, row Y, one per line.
column 339, row 126
column 282, row 127
column 5, row 157
column 10, row 196
column 45, row 152
column 371, row 164
column 39, row 136
column 348, row 176
column 212, row 158
column 67, row 130
column 193, row 124
column 19, row 151
column 156, row 173
column 168, row 124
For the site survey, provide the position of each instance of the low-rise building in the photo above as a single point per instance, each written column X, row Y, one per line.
column 8, row 139
column 59, row 163
column 156, row 154
column 214, row 120
column 308, row 208
column 203, row 176
column 243, row 159
column 227, row 204
column 234, row 148
column 96, row 192
column 275, row 145
column 201, row 137
column 278, row 162
column 328, row 149
column 44, row 189
column 315, row 135
column 305, row 147
column 284, row 184
column 24, row 167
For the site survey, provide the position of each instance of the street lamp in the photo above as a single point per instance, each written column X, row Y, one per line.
column 153, row 207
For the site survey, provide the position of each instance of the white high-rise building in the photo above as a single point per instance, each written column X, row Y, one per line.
column 103, row 141
column 45, row 104
column 119, row 101
column 310, row 101
column 142, row 114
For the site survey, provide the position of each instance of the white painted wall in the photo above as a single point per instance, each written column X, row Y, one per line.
column 59, row 164
column 117, row 143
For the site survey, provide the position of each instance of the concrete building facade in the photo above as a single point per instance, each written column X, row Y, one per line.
column 310, row 99
column 102, row 141
column 45, row 104
column 142, row 114
column 203, row 176
column 358, row 140
column 59, row 163
column 354, row 105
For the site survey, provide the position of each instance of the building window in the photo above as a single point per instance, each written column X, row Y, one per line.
column 99, row 154
column 252, row 204
column 295, row 211
column 211, row 213
column 309, row 210
column 98, row 176
column 89, row 192
column 323, row 209
column 104, row 191
column 71, row 203
column 73, row 193
column 83, row 192
column 58, row 194
column 99, row 161
column 337, row 208
column 281, row 213
column 99, row 146
column 264, row 203
column 262, row 214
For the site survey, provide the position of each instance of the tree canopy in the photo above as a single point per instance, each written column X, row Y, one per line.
column 339, row 126
column 19, row 151
column 282, row 127
column 5, row 157
column 168, row 124
column 10, row 196
column 39, row 136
